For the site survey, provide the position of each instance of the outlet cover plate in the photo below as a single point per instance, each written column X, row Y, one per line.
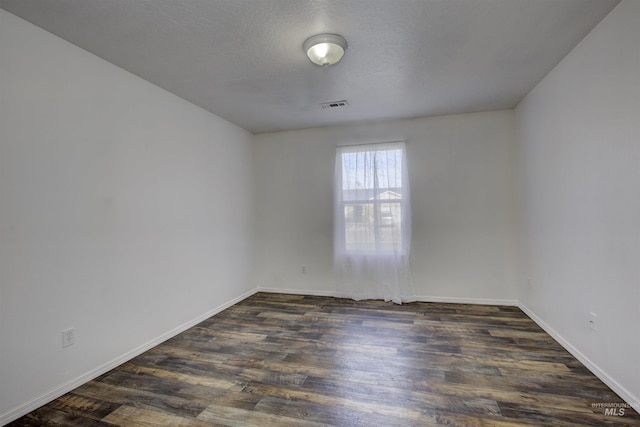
column 68, row 337
column 593, row 321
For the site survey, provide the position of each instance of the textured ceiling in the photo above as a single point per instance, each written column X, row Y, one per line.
column 243, row 59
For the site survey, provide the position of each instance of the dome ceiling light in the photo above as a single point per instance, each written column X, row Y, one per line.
column 325, row 49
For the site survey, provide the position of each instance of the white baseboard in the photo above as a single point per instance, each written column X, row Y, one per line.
column 453, row 300
column 626, row 395
column 102, row 369
column 457, row 300
column 296, row 292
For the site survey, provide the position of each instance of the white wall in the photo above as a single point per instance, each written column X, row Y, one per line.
column 125, row 212
column 461, row 176
column 578, row 154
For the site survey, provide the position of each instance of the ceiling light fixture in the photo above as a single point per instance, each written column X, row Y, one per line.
column 325, row 49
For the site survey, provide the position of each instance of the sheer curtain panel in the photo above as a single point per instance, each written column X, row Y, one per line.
column 372, row 223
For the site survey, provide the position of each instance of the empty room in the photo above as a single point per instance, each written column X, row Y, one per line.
column 319, row 213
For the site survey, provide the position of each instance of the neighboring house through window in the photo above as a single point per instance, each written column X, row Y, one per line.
column 371, row 197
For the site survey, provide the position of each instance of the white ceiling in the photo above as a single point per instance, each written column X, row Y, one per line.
column 243, row 59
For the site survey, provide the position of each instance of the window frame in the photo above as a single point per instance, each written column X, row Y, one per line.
column 377, row 203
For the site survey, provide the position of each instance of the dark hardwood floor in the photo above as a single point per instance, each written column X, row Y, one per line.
column 286, row 360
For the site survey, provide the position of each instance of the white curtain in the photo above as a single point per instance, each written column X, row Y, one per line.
column 372, row 223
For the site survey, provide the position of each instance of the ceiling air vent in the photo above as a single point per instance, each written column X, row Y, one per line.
column 334, row 104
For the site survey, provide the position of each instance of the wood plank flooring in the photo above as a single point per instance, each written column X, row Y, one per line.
column 287, row 360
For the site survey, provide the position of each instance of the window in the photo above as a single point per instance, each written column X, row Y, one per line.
column 372, row 223
column 371, row 198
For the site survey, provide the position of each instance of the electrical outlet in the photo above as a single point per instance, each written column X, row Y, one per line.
column 303, row 270
column 593, row 321
column 68, row 337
